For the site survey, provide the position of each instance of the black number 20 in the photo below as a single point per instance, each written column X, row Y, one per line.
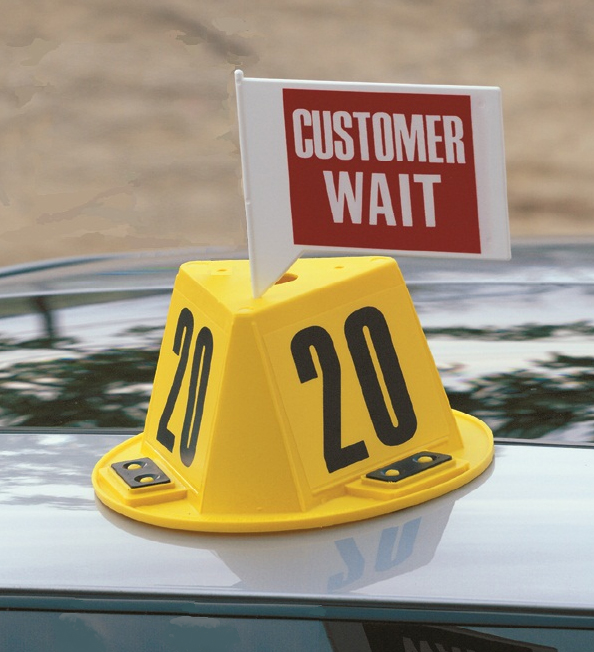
column 199, row 373
column 336, row 455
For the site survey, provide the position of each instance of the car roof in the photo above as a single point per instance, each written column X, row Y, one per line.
column 519, row 536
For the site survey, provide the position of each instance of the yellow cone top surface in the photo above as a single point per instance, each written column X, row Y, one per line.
column 317, row 403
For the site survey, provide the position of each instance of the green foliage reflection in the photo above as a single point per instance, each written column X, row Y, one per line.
column 534, row 402
column 520, row 333
column 68, row 386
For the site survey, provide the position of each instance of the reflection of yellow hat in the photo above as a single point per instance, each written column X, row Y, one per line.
column 317, row 403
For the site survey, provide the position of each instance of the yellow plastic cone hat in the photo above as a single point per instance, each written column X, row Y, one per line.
column 317, row 403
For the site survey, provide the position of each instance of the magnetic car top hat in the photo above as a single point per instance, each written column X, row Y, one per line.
column 315, row 404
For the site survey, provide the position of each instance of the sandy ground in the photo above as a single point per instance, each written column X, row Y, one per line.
column 117, row 117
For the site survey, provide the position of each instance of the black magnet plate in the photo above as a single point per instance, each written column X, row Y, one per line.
column 141, row 472
column 409, row 466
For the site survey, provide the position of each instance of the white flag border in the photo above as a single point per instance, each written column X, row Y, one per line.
column 266, row 176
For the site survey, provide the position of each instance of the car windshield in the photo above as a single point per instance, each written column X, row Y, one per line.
column 108, row 631
column 121, row 160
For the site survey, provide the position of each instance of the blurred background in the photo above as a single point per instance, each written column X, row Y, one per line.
column 117, row 117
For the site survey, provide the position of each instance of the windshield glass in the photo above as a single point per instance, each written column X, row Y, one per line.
column 104, row 631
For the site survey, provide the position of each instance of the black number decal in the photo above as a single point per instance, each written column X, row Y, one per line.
column 199, row 374
column 183, row 333
column 374, row 321
column 195, row 408
column 317, row 338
